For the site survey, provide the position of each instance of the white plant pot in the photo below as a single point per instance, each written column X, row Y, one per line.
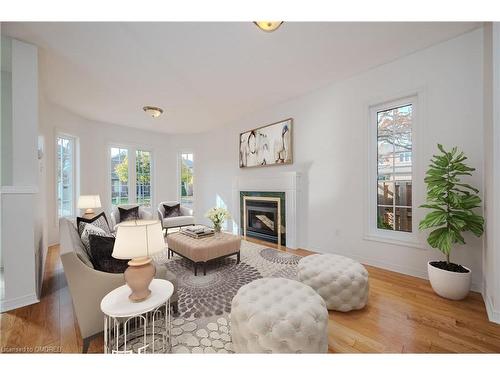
column 447, row 284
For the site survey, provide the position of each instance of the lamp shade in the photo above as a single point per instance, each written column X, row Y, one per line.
column 89, row 201
column 138, row 238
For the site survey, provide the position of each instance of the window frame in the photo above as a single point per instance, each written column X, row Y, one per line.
column 75, row 175
column 179, row 175
column 110, row 189
column 372, row 232
column 132, row 173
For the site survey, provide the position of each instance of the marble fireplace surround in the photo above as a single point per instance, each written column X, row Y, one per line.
column 287, row 182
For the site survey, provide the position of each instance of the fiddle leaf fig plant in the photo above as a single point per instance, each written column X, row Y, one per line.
column 452, row 202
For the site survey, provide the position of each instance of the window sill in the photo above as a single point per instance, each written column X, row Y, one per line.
column 395, row 241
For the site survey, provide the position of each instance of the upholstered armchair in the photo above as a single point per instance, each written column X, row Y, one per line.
column 144, row 214
column 185, row 219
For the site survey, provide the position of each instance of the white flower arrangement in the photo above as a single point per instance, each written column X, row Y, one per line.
column 217, row 215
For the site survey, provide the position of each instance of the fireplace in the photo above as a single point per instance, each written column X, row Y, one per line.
column 263, row 217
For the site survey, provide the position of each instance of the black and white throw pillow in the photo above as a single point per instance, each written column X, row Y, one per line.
column 99, row 221
column 127, row 214
column 87, row 231
column 101, row 248
column 172, row 211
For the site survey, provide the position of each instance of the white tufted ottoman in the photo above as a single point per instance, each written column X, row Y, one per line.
column 276, row 315
column 341, row 281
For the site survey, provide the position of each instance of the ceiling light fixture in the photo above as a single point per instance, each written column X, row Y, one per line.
column 268, row 26
column 154, row 112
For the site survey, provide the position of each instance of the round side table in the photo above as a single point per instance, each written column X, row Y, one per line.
column 138, row 327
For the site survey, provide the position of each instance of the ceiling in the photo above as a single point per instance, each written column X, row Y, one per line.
column 206, row 75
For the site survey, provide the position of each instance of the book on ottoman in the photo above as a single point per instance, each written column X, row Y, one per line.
column 198, row 231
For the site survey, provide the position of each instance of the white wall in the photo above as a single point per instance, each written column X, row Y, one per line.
column 94, row 141
column 22, row 235
column 330, row 151
column 491, row 254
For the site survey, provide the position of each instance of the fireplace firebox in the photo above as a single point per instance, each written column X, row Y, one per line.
column 262, row 218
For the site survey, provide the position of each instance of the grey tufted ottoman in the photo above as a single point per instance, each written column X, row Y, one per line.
column 276, row 315
column 341, row 281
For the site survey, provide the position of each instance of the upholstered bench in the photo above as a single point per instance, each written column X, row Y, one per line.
column 277, row 315
column 341, row 281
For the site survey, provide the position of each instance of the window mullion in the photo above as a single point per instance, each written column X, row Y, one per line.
column 394, row 177
column 132, row 181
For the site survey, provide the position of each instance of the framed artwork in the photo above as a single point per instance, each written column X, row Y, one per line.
column 268, row 145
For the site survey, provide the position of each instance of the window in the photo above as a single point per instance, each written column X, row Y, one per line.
column 143, row 177
column 131, row 176
column 186, row 180
column 394, row 124
column 119, row 176
column 65, row 180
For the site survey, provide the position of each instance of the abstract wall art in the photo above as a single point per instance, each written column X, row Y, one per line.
column 267, row 145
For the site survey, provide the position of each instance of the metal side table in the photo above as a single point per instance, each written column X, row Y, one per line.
column 138, row 327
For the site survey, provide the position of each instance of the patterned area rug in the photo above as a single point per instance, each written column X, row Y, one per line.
column 203, row 324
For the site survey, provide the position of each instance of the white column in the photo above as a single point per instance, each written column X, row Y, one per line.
column 21, row 243
column 491, row 252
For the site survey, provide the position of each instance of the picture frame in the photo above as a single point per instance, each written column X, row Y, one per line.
column 267, row 145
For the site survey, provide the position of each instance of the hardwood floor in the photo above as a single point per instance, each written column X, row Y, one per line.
column 403, row 315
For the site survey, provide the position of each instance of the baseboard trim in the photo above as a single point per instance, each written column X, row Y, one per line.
column 15, row 303
column 493, row 315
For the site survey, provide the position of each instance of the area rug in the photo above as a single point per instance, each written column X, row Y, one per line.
column 203, row 324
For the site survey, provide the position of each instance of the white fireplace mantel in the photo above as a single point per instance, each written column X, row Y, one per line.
column 287, row 182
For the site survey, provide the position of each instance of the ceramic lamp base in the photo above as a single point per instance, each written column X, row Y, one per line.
column 138, row 276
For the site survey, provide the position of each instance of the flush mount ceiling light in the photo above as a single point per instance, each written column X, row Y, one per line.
column 154, row 112
column 268, row 26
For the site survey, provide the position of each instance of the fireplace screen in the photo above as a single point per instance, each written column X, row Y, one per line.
column 262, row 219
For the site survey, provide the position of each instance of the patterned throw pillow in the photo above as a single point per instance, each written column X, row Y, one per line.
column 86, row 231
column 172, row 211
column 99, row 221
column 127, row 214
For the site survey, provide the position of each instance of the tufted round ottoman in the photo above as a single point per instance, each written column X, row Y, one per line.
column 341, row 281
column 276, row 315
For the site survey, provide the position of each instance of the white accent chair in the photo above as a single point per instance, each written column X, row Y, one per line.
column 184, row 220
column 144, row 214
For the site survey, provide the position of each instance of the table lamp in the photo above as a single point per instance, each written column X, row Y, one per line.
column 89, row 202
column 138, row 240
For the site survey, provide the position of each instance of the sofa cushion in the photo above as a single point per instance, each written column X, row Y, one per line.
column 99, row 221
column 128, row 214
column 101, row 248
column 172, row 211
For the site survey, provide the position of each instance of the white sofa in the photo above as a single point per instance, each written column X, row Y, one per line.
column 185, row 219
column 88, row 286
column 144, row 214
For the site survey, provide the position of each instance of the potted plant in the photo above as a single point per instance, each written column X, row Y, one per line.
column 452, row 203
column 217, row 215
